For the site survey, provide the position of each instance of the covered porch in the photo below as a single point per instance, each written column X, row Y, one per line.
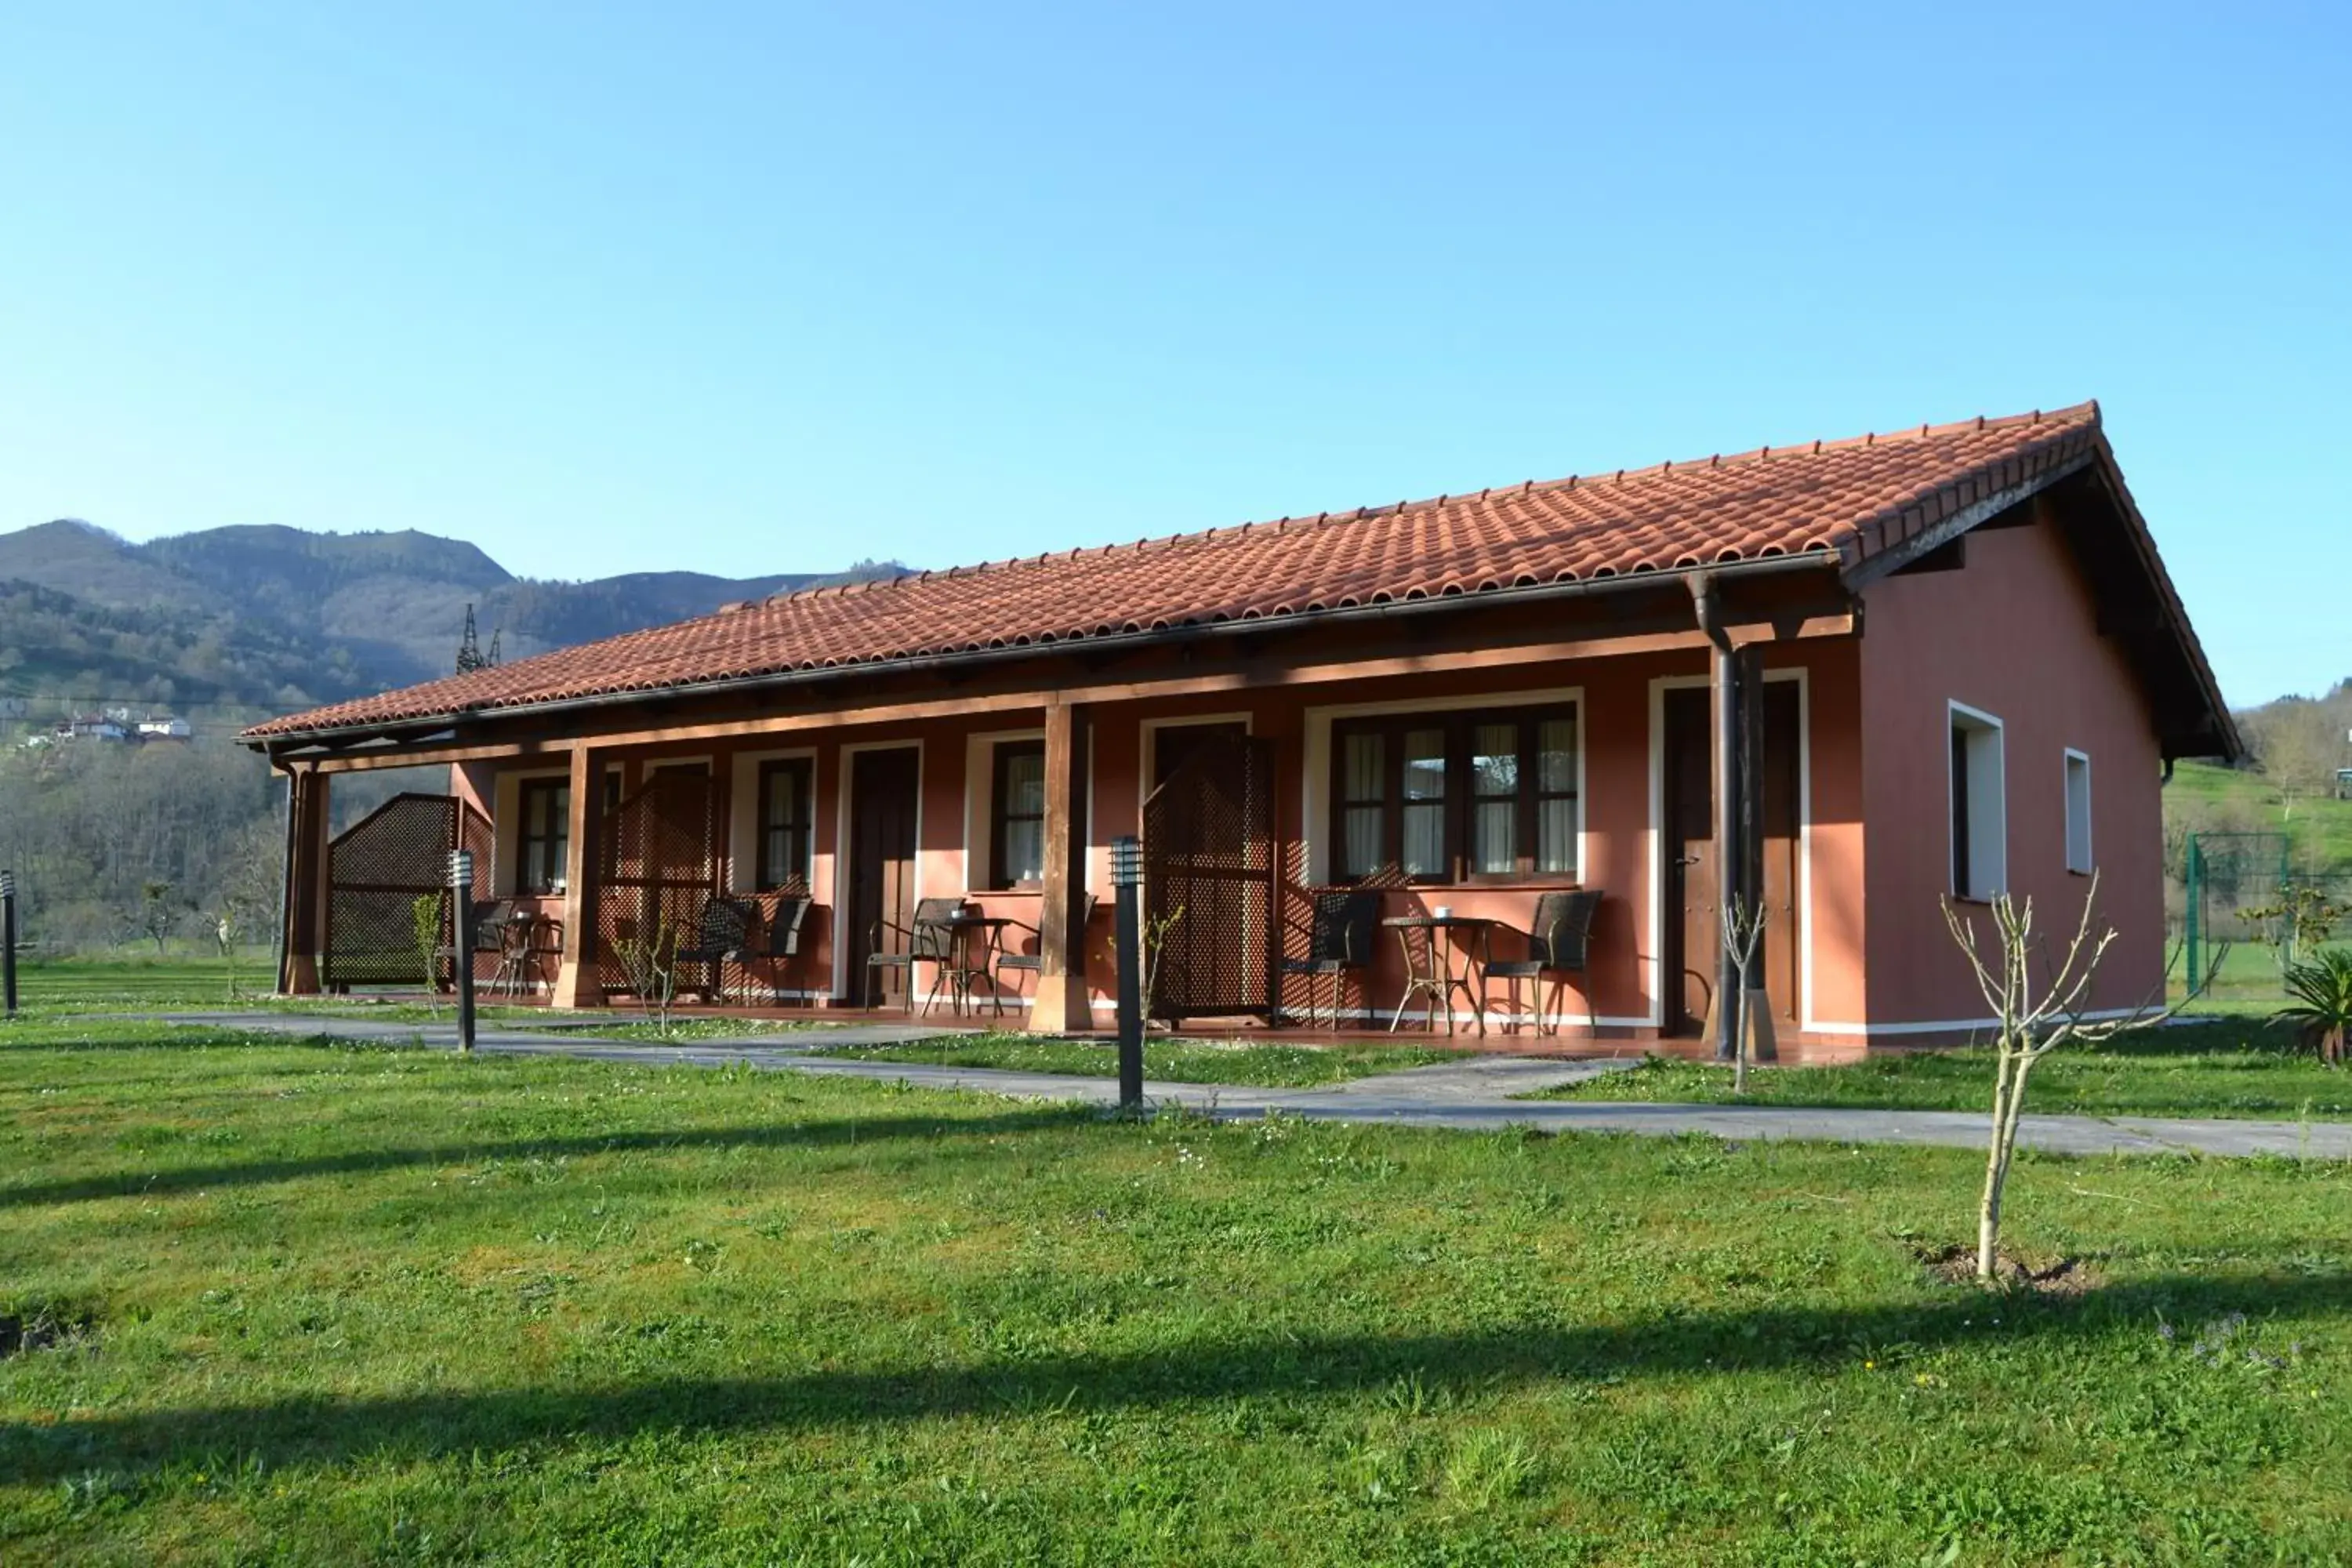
column 1510, row 829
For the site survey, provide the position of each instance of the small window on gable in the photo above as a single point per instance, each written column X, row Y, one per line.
column 1979, row 805
column 2078, row 814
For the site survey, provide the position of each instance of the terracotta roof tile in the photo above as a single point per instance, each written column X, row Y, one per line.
column 1853, row 498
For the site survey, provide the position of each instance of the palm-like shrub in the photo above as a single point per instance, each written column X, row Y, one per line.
column 2322, row 990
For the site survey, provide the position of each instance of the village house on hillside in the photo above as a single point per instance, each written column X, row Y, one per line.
column 1551, row 724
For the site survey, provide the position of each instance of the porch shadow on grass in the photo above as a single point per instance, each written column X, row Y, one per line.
column 327, row 1432
column 833, row 1130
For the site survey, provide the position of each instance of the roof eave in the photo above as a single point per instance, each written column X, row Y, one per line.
column 280, row 743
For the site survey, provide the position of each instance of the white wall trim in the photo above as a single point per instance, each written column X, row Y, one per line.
column 1315, row 778
column 1949, row 1026
column 743, row 827
column 1990, row 860
column 841, row 825
column 2068, row 757
column 506, row 827
column 980, row 798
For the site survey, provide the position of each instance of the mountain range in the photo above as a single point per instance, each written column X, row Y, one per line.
column 265, row 618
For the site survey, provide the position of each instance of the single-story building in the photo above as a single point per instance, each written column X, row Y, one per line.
column 1852, row 677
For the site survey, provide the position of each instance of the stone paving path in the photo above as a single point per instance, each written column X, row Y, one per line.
column 1471, row 1095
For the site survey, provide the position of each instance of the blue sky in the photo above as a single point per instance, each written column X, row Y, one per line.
column 749, row 289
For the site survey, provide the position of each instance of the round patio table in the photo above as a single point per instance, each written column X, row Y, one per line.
column 1434, row 946
column 973, row 941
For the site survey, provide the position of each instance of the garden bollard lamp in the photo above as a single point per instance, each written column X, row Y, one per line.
column 1127, row 880
column 461, row 947
column 8, row 944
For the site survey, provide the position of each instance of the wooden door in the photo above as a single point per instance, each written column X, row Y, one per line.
column 1172, row 743
column 882, row 787
column 1780, row 764
column 1691, row 875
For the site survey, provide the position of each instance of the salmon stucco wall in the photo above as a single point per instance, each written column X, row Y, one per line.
column 1619, row 716
column 2013, row 634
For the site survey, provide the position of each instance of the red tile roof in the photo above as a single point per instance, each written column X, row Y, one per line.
column 1847, row 499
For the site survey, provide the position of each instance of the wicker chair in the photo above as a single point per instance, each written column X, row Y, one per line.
column 723, row 935
column 1339, row 941
column 1558, row 942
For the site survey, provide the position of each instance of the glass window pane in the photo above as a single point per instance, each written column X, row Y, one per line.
column 1424, row 764
column 1495, row 836
column 1363, row 777
column 1495, row 758
column 1556, row 838
column 1025, row 784
column 783, row 796
column 1556, row 754
column 1424, row 841
column 1025, row 852
column 1361, row 841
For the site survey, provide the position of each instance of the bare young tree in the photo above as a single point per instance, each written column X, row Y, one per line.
column 650, row 962
column 2037, row 1009
column 1743, row 939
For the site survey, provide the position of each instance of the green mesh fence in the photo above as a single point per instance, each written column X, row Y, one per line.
column 2236, row 884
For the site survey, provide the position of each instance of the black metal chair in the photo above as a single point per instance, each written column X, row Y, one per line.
column 783, row 943
column 930, row 939
column 1034, row 962
column 723, row 935
column 1559, row 941
column 1340, row 941
column 491, row 918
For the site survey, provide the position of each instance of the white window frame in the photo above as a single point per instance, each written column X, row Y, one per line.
column 2082, row 857
column 979, row 804
column 1315, row 808
column 1987, row 773
column 744, row 827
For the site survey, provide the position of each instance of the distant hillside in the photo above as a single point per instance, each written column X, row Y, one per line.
column 2287, row 786
column 271, row 617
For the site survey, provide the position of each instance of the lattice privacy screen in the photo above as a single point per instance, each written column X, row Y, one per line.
column 377, row 871
column 659, row 853
column 1209, row 852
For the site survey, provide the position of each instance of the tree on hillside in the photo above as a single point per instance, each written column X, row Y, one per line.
column 2299, row 742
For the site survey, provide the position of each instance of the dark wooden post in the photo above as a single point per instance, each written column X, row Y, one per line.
column 1063, row 1006
column 1730, row 857
column 306, row 883
column 576, row 983
column 1751, row 820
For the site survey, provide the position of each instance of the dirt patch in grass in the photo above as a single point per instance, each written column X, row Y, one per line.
column 2041, row 1275
column 43, row 1328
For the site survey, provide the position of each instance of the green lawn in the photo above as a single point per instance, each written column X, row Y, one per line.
column 2222, row 1066
column 311, row 1304
column 1173, row 1061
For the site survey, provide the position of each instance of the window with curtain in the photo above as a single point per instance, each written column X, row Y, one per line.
column 1484, row 795
column 545, row 807
column 1017, row 816
column 787, row 824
